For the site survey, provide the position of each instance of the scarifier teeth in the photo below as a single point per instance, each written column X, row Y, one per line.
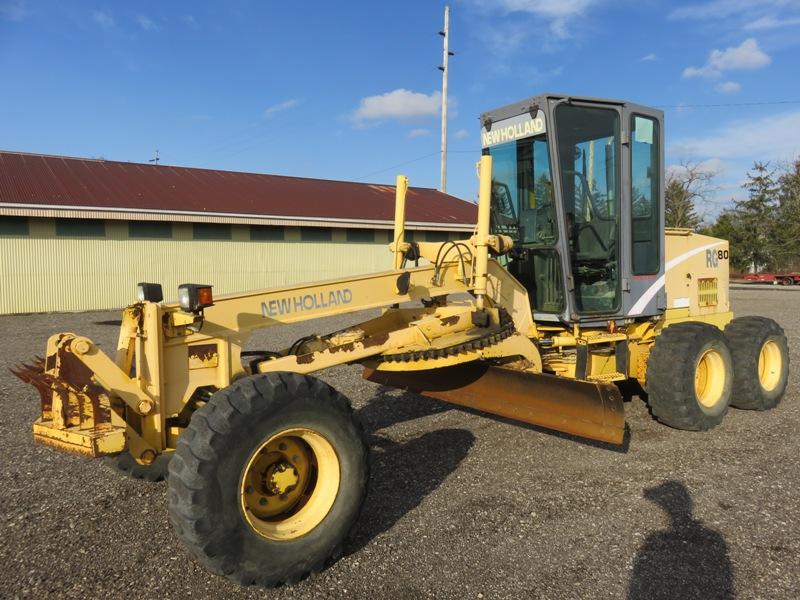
column 32, row 373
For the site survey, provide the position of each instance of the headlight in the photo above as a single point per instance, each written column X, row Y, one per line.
column 194, row 297
column 149, row 292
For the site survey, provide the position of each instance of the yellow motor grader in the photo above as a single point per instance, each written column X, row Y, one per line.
column 569, row 287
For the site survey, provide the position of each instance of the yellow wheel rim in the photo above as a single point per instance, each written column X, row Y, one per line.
column 289, row 484
column 770, row 362
column 709, row 378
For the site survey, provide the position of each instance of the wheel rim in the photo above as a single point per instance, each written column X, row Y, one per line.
column 709, row 378
column 770, row 362
column 289, row 484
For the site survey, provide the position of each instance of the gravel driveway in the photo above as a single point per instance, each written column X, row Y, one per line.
column 461, row 505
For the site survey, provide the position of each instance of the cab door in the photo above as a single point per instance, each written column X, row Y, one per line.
column 643, row 234
column 589, row 161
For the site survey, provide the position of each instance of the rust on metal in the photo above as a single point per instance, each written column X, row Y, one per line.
column 305, row 359
column 348, row 347
column 379, row 339
column 590, row 410
column 65, row 446
column 34, row 374
column 64, row 376
column 203, row 356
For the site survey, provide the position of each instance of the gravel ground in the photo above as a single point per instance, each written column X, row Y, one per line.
column 461, row 505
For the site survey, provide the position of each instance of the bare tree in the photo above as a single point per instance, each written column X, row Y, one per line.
column 688, row 185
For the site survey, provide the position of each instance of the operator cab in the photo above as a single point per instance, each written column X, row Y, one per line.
column 577, row 183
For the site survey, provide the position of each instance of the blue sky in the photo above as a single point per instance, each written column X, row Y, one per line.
column 349, row 90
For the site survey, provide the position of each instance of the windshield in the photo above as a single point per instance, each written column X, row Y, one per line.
column 522, row 192
column 523, row 207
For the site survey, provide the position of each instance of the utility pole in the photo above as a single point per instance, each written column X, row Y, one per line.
column 155, row 159
column 446, row 54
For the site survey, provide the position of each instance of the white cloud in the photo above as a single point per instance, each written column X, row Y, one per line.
column 506, row 40
column 764, row 139
column 146, row 23
column 416, row 133
column 271, row 111
column 104, row 19
column 719, row 9
column 648, row 57
column 398, row 104
column 558, row 13
column 16, row 10
column 190, row 21
column 728, row 87
column 461, row 134
column 771, row 22
column 546, row 8
column 746, row 56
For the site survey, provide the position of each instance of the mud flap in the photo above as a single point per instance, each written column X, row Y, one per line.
column 586, row 409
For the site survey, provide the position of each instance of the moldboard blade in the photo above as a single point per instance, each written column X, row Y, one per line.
column 585, row 409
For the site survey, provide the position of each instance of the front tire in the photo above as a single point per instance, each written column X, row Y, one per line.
column 760, row 362
column 269, row 478
column 690, row 376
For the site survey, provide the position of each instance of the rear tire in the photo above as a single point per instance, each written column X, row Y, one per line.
column 268, row 479
column 125, row 463
column 690, row 376
column 760, row 362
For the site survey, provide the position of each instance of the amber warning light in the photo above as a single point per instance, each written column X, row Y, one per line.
column 194, row 297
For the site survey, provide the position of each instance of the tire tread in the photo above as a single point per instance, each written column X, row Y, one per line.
column 211, row 429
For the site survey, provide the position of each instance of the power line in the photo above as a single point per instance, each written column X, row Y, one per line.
column 408, row 162
column 731, row 104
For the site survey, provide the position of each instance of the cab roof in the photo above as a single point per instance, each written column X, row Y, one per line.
column 540, row 100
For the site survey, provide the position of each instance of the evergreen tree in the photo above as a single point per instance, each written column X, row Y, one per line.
column 756, row 216
column 786, row 226
column 728, row 227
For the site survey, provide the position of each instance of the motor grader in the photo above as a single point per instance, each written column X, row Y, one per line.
column 569, row 288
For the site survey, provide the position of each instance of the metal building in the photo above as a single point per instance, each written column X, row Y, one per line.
column 78, row 234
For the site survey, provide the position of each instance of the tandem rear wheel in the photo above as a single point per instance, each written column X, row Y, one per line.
column 690, row 376
column 760, row 362
column 695, row 372
column 268, row 479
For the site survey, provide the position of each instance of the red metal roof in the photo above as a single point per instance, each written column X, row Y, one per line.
column 56, row 181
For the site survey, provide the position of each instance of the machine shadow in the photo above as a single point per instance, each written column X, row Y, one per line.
column 387, row 408
column 403, row 474
column 687, row 560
